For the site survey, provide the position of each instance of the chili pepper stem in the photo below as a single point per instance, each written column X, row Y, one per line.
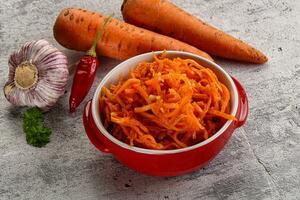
column 92, row 50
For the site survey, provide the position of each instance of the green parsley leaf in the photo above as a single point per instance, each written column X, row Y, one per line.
column 37, row 134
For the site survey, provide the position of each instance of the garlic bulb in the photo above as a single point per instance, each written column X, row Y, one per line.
column 38, row 75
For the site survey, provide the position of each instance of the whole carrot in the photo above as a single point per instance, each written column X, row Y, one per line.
column 85, row 72
column 76, row 28
column 164, row 17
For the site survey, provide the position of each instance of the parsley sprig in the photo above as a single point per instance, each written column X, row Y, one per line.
column 37, row 134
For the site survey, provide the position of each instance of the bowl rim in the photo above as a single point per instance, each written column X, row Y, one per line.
column 104, row 132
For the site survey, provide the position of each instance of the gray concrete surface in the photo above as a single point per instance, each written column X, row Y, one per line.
column 261, row 161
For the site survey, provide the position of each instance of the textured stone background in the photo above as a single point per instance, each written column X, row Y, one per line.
column 261, row 161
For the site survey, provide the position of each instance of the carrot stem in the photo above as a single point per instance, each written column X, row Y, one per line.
column 92, row 50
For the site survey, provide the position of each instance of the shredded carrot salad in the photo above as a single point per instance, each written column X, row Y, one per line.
column 166, row 104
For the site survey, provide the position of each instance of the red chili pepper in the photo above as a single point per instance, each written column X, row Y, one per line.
column 85, row 72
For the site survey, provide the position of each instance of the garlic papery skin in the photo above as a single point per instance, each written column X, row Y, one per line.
column 38, row 75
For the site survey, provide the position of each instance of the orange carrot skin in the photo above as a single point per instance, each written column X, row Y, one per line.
column 164, row 17
column 76, row 28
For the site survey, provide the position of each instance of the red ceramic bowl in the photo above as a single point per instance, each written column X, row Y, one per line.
column 165, row 162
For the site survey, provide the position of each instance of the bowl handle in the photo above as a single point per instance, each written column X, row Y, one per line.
column 87, row 117
column 243, row 108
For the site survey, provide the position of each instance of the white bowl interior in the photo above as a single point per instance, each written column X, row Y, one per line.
column 125, row 67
